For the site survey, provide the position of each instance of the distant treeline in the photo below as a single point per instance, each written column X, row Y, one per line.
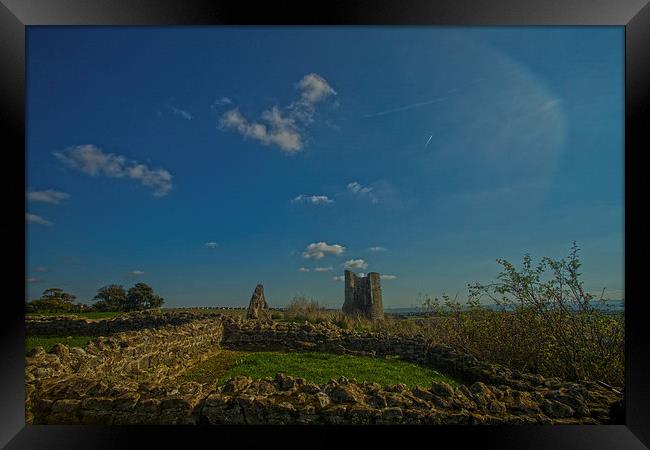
column 108, row 298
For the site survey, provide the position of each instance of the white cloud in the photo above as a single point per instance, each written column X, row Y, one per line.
column 179, row 112
column 33, row 218
column 318, row 250
column 338, row 278
column 303, row 269
column 47, row 196
column 314, row 88
column 211, row 244
column 223, row 101
column 93, row 161
column 355, row 264
column 33, row 280
column 282, row 126
column 377, row 249
column 286, row 137
column 362, row 191
column 313, row 199
column 324, row 269
column 136, row 273
column 388, row 277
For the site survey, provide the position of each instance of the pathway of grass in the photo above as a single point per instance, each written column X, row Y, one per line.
column 314, row 367
column 87, row 315
column 47, row 342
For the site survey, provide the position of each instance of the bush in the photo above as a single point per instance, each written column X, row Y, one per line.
column 545, row 323
column 301, row 309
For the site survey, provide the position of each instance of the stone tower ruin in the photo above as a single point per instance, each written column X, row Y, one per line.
column 257, row 308
column 363, row 295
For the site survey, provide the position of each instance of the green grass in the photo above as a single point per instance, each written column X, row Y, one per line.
column 225, row 312
column 47, row 342
column 87, row 315
column 315, row 367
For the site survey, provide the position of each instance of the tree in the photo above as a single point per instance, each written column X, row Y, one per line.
column 141, row 296
column 53, row 300
column 110, row 298
column 57, row 293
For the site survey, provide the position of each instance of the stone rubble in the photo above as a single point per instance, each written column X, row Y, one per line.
column 129, row 378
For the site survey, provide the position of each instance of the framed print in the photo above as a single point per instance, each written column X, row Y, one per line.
column 362, row 219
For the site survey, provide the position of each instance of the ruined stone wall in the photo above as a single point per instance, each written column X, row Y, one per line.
column 241, row 335
column 134, row 394
column 72, row 325
column 132, row 359
column 287, row 400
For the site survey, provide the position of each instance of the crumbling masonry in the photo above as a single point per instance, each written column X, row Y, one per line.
column 258, row 308
column 363, row 295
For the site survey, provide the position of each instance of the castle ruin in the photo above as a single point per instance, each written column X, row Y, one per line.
column 363, row 295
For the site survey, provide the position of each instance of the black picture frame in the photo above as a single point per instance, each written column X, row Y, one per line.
column 634, row 15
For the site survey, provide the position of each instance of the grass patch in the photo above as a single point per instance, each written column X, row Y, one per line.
column 315, row 367
column 87, row 315
column 240, row 312
column 47, row 342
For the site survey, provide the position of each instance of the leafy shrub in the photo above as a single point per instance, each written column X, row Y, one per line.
column 546, row 323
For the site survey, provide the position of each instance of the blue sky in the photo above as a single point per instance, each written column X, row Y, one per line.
column 204, row 160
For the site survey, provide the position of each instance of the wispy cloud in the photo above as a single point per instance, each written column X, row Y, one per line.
column 338, row 278
column 324, row 269
column 318, row 250
column 223, row 101
column 93, row 161
column 377, row 249
column 47, row 196
column 135, row 273
column 211, row 244
column 33, row 280
column 179, row 112
column 33, row 218
column 388, row 277
column 509, row 123
column 283, row 127
column 552, row 103
column 313, row 199
column 355, row 264
column 405, row 108
column 362, row 191
column 303, row 269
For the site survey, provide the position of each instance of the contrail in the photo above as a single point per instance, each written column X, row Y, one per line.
column 425, row 145
column 404, row 108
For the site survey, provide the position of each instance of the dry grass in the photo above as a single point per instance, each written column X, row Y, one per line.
column 524, row 339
